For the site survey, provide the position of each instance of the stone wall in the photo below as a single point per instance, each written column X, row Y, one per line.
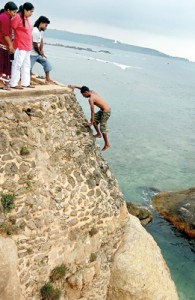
column 68, row 208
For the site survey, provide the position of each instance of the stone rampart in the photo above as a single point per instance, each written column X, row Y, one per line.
column 69, row 212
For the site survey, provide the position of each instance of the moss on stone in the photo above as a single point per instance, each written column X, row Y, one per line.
column 24, row 150
column 58, row 273
column 93, row 231
column 7, row 201
column 48, row 292
column 93, row 257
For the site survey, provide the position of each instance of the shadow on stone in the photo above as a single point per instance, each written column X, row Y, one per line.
column 142, row 213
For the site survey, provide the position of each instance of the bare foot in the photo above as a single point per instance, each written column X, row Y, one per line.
column 106, row 147
column 98, row 135
column 50, row 82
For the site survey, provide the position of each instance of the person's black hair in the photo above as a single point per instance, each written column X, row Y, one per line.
column 9, row 6
column 26, row 6
column 84, row 89
column 40, row 20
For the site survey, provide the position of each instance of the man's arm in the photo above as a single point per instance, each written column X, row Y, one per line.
column 41, row 49
column 91, row 103
column 38, row 49
column 41, row 45
column 74, row 87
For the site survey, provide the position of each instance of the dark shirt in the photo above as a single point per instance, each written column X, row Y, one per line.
column 5, row 27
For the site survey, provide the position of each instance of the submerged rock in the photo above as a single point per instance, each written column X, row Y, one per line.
column 177, row 208
column 142, row 213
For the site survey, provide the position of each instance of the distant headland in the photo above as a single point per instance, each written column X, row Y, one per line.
column 103, row 42
column 77, row 48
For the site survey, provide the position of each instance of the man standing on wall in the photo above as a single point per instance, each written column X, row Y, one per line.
column 37, row 54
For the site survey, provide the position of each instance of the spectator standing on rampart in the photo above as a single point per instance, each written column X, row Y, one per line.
column 37, row 53
column 6, row 46
column 22, row 45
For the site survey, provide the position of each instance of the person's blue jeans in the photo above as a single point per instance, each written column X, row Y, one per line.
column 41, row 60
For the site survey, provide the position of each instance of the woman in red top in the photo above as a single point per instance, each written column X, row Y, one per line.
column 22, row 45
column 6, row 47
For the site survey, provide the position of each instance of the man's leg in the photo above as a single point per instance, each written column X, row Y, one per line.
column 98, row 134
column 103, row 128
column 47, row 77
column 46, row 67
column 97, row 119
column 33, row 59
column 107, row 145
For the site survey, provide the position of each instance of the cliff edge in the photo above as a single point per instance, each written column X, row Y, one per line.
column 65, row 232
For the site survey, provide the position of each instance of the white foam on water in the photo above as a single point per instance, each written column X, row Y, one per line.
column 123, row 67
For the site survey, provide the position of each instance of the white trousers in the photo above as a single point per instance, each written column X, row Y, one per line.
column 20, row 68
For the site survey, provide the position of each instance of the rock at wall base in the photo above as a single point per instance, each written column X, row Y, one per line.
column 178, row 208
column 138, row 271
column 142, row 213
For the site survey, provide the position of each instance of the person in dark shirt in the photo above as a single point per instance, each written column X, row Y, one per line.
column 6, row 47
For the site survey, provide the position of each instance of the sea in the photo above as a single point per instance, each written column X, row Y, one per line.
column 151, row 131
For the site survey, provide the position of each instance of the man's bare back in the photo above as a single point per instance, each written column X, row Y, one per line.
column 98, row 101
column 100, row 117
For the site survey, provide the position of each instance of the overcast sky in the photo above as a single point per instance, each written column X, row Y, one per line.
column 165, row 25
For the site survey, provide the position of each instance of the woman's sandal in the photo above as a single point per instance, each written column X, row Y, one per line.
column 29, row 86
column 17, row 87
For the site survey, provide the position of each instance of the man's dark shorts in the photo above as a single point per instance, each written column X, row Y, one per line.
column 101, row 117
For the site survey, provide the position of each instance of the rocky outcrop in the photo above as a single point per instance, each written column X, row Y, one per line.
column 178, row 208
column 139, row 211
column 69, row 215
column 136, row 266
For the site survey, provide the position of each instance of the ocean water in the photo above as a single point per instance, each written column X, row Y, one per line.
column 151, row 132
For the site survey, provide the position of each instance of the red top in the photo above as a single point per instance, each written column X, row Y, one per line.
column 22, row 35
column 5, row 27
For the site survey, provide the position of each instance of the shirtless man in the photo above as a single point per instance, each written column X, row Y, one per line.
column 101, row 117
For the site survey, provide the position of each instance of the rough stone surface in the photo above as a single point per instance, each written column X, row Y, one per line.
column 178, row 208
column 136, row 266
column 68, row 205
column 9, row 283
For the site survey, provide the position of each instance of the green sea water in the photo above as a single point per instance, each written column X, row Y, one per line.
column 151, row 132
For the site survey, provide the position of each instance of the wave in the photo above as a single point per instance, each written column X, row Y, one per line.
column 147, row 192
column 121, row 66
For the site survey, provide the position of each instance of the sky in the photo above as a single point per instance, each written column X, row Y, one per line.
column 164, row 25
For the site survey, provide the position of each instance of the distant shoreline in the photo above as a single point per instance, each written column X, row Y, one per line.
column 77, row 48
column 102, row 42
